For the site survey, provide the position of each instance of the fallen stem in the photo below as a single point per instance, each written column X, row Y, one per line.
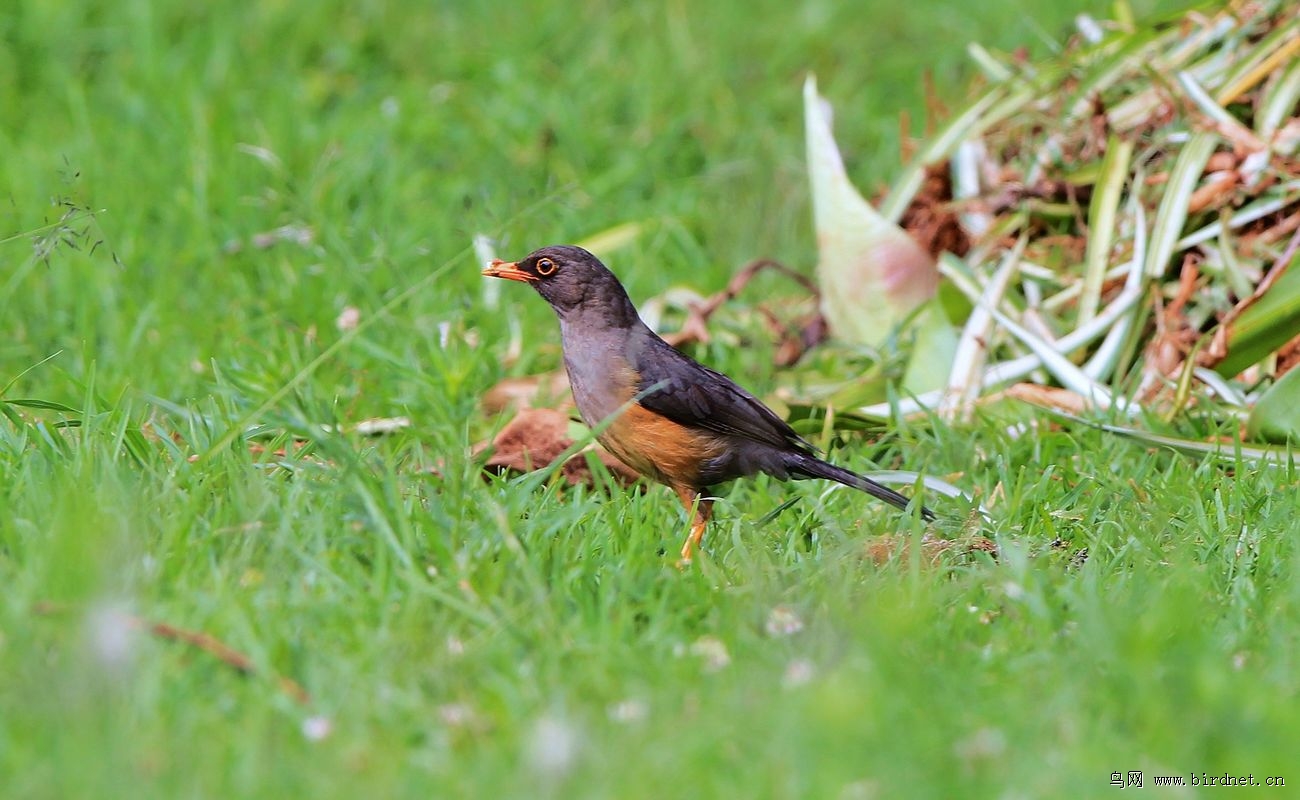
column 198, row 639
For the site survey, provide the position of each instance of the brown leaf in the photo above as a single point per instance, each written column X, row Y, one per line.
column 535, row 438
column 514, row 394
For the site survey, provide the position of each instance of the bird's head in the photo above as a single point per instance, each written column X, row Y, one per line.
column 568, row 277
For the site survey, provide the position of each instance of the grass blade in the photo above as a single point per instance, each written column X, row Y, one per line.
column 1272, row 455
column 48, row 405
column 1172, row 213
column 1102, row 213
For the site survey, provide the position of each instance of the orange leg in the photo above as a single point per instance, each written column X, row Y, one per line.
column 699, row 509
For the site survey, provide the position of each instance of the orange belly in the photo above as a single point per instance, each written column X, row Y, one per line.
column 659, row 448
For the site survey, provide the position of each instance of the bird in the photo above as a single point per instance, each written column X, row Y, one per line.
column 662, row 413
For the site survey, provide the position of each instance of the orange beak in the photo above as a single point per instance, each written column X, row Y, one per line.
column 508, row 270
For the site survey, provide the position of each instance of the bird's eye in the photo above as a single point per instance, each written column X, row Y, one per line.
column 545, row 266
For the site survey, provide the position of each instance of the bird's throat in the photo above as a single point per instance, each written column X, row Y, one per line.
column 601, row 362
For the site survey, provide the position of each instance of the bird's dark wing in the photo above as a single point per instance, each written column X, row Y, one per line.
column 691, row 394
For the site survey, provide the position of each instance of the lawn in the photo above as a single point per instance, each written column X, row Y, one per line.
column 193, row 197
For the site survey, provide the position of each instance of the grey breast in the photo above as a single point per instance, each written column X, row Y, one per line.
column 599, row 371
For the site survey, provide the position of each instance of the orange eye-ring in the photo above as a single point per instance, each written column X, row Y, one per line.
column 545, row 266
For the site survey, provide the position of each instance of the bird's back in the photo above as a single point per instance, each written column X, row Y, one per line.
column 690, row 394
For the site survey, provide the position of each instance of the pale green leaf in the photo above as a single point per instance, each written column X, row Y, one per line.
column 1172, row 213
column 1276, row 416
column 1266, row 325
column 1102, row 213
column 872, row 274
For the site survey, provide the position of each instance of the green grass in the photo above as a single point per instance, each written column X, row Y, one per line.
column 507, row 638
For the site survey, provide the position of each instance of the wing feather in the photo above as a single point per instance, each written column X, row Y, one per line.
column 691, row 394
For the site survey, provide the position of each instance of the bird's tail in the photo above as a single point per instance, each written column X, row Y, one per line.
column 802, row 465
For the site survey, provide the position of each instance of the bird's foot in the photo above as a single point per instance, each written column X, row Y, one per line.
column 692, row 542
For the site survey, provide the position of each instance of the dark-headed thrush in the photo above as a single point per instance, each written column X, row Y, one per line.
column 661, row 412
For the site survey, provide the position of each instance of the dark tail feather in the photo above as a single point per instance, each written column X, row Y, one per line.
column 806, row 466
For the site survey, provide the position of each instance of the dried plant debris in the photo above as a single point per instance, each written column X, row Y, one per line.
column 931, row 218
column 535, row 438
column 1288, row 356
column 934, row 551
column 121, row 624
column 1123, row 216
column 1048, row 397
column 793, row 339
